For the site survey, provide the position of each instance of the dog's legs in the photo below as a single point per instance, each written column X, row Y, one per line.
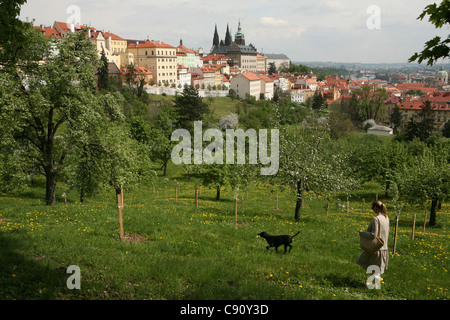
column 290, row 247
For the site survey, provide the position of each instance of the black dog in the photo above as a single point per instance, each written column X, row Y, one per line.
column 276, row 241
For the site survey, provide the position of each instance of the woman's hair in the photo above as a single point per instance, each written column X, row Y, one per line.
column 380, row 205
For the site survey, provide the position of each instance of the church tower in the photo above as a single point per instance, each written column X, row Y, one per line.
column 442, row 75
column 216, row 39
column 239, row 37
column 228, row 39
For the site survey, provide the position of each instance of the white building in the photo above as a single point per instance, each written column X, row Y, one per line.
column 297, row 97
column 184, row 77
column 307, row 83
column 280, row 60
column 267, row 86
column 246, row 84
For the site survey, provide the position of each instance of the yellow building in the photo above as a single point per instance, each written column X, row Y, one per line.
column 260, row 63
column 158, row 57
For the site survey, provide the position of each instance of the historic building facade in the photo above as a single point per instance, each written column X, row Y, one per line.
column 243, row 56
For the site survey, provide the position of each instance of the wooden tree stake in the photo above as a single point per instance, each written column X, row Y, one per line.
column 328, row 207
column 425, row 220
column 196, row 198
column 235, row 209
column 395, row 234
column 120, row 206
column 413, row 226
column 348, row 207
column 276, row 207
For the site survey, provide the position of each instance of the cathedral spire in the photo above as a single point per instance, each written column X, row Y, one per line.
column 228, row 39
column 216, row 38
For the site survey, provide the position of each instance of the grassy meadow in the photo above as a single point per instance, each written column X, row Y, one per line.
column 175, row 251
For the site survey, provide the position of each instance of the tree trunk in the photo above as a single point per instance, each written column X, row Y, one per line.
column 50, row 171
column 165, row 168
column 218, row 194
column 298, row 205
column 434, row 205
column 82, row 194
column 50, row 187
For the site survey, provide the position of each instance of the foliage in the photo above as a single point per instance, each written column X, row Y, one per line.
column 396, row 119
column 190, row 107
column 424, row 127
column 435, row 48
column 323, row 72
column 297, row 69
column 446, row 131
column 68, row 131
column 317, row 101
column 310, row 161
column 339, row 122
column 103, row 82
column 14, row 37
column 371, row 102
column 272, row 68
column 425, row 178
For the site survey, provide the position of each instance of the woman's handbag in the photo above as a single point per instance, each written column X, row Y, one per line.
column 371, row 245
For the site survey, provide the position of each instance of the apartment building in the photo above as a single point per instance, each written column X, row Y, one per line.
column 246, row 84
column 440, row 103
column 158, row 57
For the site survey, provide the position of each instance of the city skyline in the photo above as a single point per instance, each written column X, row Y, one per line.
column 321, row 31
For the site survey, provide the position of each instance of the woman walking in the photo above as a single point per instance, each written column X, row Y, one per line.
column 379, row 226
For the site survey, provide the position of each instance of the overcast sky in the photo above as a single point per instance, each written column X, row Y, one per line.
column 319, row 30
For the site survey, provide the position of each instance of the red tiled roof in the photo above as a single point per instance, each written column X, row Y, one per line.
column 49, row 32
column 150, row 44
column 264, row 78
column 439, row 101
column 113, row 36
column 182, row 48
column 138, row 70
column 216, row 57
column 250, row 76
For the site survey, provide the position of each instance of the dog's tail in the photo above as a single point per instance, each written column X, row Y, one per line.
column 295, row 234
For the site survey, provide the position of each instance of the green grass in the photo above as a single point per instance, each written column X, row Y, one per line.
column 174, row 251
column 222, row 106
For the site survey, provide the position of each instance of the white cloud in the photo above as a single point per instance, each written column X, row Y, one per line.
column 273, row 22
column 335, row 4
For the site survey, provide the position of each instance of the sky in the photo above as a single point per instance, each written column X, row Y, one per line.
column 375, row 31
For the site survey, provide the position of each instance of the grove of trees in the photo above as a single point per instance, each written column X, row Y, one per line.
column 60, row 117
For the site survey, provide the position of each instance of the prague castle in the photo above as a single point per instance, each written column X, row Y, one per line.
column 242, row 55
